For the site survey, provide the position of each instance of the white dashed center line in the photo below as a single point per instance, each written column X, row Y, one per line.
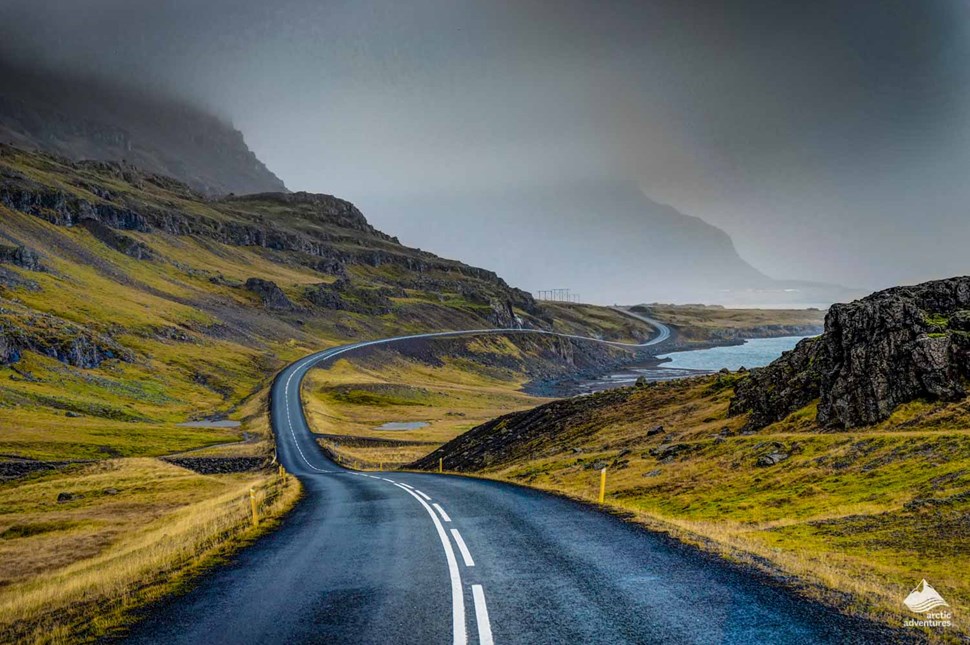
column 422, row 494
column 457, row 594
column 465, row 554
column 481, row 616
column 444, row 515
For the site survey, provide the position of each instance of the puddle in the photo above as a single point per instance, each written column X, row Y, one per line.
column 403, row 425
column 224, row 423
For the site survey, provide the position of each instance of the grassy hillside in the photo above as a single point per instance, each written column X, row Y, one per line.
column 856, row 518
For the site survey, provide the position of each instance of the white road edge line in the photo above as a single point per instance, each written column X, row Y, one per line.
column 465, row 553
column 422, row 494
column 457, row 593
column 408, row 486
column 481, row 616
column 444, row 515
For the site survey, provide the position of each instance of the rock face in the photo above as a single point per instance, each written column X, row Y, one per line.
column 876, row 353
column 57, row 338
column 21, row 256
column 118, row 241
column 320, row 231
column 270, row 294
column 342, row 295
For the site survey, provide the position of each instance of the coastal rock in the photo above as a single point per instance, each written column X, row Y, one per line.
column 876, row 353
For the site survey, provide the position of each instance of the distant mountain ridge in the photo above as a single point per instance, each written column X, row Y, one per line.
column 602, row 238
column 86, row 119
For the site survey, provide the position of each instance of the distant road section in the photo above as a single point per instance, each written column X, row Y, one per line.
column 663, row 331
column 403, row 557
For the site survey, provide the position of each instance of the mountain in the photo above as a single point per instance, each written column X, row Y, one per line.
column 84, row 118
column 603, row 239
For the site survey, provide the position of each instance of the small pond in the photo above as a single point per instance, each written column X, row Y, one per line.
column 402, row 425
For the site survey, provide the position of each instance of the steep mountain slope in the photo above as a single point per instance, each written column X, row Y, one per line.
column 83, row 118
column 844, row 466
column 603, row 239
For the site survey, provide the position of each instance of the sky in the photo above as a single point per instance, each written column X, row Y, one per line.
column 829, row 139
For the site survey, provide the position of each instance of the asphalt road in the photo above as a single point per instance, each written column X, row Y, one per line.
column 424, row 558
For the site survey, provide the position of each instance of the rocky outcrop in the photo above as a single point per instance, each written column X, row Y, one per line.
column 528, row 434
column 342, row 295
column 788, row 384
column 59, row 339
column 502, row 314
column 323, row 232
column 876, row 353
column 21, row 256
column 118, row 241
column 269, row 294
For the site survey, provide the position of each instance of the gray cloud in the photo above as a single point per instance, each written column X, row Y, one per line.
column 830, row 139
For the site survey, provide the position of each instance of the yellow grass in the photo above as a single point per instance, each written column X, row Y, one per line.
column 102, row 556
column 836, row 517
column 451, row 399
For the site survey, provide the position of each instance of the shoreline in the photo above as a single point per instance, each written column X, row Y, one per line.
column 585, row 381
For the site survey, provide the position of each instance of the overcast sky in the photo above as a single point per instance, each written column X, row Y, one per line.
column 831, row 140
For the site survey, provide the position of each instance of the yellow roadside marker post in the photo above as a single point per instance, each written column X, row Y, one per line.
column 441, row 464
column 252, row 503
column 603, row 485
column 282, row 473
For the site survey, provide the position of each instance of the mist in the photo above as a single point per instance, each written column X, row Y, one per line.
column 830, row 140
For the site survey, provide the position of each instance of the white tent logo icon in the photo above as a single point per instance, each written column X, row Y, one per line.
column 924, row 598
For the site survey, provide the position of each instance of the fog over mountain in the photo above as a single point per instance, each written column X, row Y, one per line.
column 828, row 139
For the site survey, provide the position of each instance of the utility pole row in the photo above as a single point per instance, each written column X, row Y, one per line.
column 557, row 295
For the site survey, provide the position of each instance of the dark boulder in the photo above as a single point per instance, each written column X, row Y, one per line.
column 771, row 459
column 270, row 294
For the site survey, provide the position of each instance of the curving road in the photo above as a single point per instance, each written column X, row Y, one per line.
column 423, row 558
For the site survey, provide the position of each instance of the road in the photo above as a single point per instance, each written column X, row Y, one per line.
column 397, row 557
column 663, row 331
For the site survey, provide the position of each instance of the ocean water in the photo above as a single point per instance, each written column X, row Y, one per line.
column 755, row 352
